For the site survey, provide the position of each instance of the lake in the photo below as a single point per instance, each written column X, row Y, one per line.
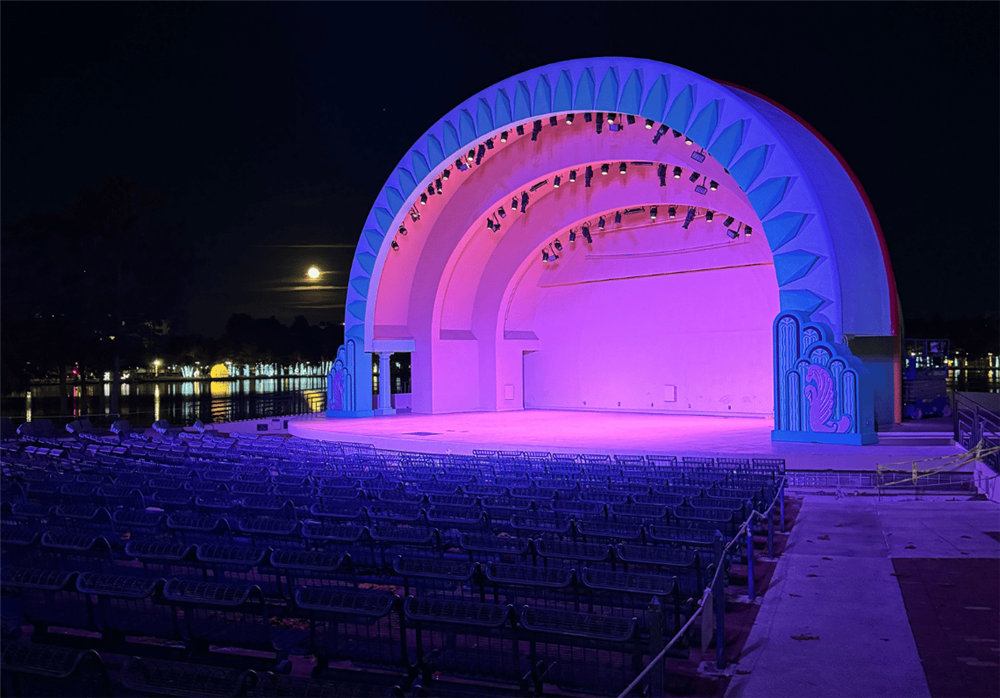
column 180, row 402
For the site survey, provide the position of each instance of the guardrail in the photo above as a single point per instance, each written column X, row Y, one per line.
column 976, row 423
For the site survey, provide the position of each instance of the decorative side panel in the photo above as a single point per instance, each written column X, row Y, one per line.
column 822, row 392
column 345, row 379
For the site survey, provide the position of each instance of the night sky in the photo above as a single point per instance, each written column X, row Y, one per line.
column 272, row 128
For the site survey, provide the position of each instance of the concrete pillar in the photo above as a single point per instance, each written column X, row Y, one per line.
column 384, row 384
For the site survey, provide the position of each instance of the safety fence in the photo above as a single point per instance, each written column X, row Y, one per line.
column 892, row 478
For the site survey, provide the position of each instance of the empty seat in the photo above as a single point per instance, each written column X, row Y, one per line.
column 582, row 651
column 32, row 669
column 465, row 639
column 363, row 626
column 160, row 677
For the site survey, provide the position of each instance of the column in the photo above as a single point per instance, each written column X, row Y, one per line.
column 385, row 383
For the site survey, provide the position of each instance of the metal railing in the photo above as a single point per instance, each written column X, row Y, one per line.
column 976, row 422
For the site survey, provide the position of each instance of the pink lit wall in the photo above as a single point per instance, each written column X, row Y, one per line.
column 696, row 343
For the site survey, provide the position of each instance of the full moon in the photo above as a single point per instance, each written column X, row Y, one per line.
column 313, row 273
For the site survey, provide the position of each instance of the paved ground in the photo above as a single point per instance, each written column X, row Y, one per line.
column 834, row 622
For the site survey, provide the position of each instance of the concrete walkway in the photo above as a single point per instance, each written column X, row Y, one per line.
column 833, row 622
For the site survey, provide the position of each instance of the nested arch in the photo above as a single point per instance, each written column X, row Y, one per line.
column 828, row 259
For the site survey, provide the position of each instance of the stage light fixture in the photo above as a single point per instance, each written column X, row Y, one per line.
column 569, row 119
column 611, row 117
column 694, row 177
column 513, row 203
column 489, row 144
column 672, row 212
column 572, row 235
column 524, row 201
column 402, row 230
column 747, row 230
column 545, row 256
column 677, row 134
column 600, row 223
column 630, row 119
column 588, row 117
column 557, row 245
column 430, row 189
column 618, row 217
column 414, row 214
column 446, row 175
column 687, row 141
column 556, row 181
column 395, row 245
column 520, row 129
column 460, row 164
column 480, row 152
column 471, row 155
column 600, row 122
column 700, row 188
column 585, row 230
column 503, row 137
column 677, row 172
column 489, row 223
column 553, row 121
column 437, row 185
column 536, row 128
column 501, row 212
column 604, row 168
column 733, row 234
column 689, row 217
column 423, row 198
column 698, row 156
column 653, row 210
column 714, row 186
column 588, row 175
column 709, row 216
column 496, row 225
column 572, row 175
column 659, row 132
column 729, row 221
column 661, row 172
column 622, row 168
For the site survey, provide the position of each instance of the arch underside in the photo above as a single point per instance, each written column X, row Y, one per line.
column 651, row 315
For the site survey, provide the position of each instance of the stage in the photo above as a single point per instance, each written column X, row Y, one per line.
column 616, row 433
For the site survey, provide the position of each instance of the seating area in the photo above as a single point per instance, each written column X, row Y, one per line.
column 202, row 565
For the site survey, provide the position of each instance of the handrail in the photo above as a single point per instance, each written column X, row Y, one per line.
column 974, row 423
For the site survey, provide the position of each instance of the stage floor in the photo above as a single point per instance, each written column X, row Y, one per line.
column 613, row 433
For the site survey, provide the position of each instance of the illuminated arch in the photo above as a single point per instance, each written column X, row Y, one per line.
column 830, row 263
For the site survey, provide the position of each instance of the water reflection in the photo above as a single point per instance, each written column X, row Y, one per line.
column 179, row 402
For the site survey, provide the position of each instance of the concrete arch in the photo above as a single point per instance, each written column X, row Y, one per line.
column 828, row 254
